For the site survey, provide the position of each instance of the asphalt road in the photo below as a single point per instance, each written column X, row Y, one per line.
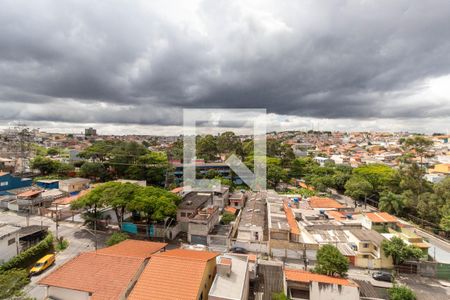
column 80, row 240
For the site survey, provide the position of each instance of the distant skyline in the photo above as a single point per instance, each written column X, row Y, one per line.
column 128, row 67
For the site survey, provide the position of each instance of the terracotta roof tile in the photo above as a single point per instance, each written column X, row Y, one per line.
column 190, row 254
column 381, row 217
column 105, row 276
column 133, row 248
column 291, row 219
column 304, row 276
column 175, row 274
column 321, row 202
column 230, row 209
column 30, row 193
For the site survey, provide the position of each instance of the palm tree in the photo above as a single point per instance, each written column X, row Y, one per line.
column 391, row 203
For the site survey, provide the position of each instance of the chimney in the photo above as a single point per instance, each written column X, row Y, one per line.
column 224, row 266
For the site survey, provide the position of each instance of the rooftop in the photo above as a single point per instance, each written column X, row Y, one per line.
column 6, row 230
column 232, row 286
column 368, row 235
column 194, row 200
column 174, row 274
column 30, row 193
column 381, row 217
column 320, row 202
column 133, row 248
column 105, row 276
column 74, row 180
column 307, row 277
column 254, row 212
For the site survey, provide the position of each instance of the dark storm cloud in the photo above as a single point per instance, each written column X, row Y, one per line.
column 137, row 62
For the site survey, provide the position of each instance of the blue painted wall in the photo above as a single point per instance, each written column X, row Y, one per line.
column 48, row 186
column 9, row 182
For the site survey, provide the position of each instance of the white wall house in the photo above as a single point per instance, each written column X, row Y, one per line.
column 9, row 239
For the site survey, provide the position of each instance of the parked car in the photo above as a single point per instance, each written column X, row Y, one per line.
column 382, row 276
column 238, row 250
column 42, row 264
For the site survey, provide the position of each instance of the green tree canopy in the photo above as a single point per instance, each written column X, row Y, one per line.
column 331, row 262
column 358, row 188
column 400, row 251
column 12, row 282
column 401, row 292
column 391, row 203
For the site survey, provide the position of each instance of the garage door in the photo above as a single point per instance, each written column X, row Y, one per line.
column 198, row 239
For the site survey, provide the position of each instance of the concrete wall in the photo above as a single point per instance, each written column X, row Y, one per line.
column 332, row 292
column 208, row 278
column 66, row 294
column 8, row 251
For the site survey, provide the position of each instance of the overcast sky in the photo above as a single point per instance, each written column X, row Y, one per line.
column 132, row 66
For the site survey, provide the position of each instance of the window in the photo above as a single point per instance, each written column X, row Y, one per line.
column 4, row 183
column 375, row 248
column 365, row 256
column 365, row 245
column 11, row 241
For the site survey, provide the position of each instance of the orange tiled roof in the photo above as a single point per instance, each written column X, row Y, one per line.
column 177, row 190
column 230, row 209
column 381, row 217
column 133, row 248
column 190, row 254
column 323, row 202
column 304, row 276
column 291, row 219
column 30, row 193
column 105, row 276
column 175, row 274
column 336, row 215
column 68, row 200
column 3, row 173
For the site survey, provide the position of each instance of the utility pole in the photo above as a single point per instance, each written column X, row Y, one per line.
column 57, row 225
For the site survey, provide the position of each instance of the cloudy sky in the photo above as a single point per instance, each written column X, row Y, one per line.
column 132, row 66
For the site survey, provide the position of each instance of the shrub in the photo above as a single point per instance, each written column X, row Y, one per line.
column 399, row 292
column 30, row 256
column 62, row 244
column 227, row 218
column 11, row 283
column 116, row 238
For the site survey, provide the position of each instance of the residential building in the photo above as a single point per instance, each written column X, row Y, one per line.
column 305, row 285
column 48, row 184
column 232, row 278
column 380, row 221
column 191, row 203
column 367, row 247
column 10, row 182
column 177, row 274
column 74, row 185
column 201, row 224
column 253, row 219
column 90, row 131
column 9, row 239
column 27, row 201
column 106, row 274
column 441, row 168
column 237, row 200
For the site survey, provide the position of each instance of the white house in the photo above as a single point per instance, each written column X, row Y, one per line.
column 9, row 239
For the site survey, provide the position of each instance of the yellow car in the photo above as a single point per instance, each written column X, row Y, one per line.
column 42, row 264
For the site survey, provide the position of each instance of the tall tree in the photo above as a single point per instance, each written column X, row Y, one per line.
column 391, row 203
column 419, row 144
column 400, row 251
column 331, row 262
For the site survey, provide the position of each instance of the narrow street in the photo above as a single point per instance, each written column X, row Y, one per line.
column 80, row 240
